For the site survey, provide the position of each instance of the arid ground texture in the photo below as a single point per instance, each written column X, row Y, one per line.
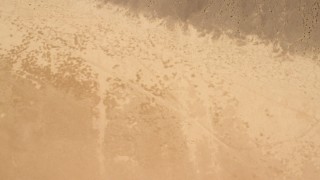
column 159, row 90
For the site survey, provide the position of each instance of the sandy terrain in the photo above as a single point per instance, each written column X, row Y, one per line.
column 92, row 92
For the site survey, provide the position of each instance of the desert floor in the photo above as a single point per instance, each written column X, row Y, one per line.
column 91, row 92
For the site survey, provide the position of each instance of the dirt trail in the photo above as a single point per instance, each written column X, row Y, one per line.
column 91, row 92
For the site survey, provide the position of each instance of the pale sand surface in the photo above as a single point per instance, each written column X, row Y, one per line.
column 91, row 93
